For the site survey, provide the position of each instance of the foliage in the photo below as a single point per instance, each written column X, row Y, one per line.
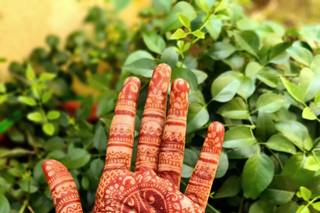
column 260, row 79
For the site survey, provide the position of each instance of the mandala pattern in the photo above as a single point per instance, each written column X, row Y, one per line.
column 154, row 186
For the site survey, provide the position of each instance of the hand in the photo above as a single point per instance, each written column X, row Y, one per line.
column 154, row 186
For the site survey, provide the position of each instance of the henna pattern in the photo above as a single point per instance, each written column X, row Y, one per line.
column 200, row 183
column 153, row 119
column 121, row 134
column 154, row 186
column 173, row 139
column 62, row 186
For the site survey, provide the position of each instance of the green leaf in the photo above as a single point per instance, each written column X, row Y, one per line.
column 295, row 91
column 223, row 165
column 53, row 115
column 172, row 22
column 225, row 86
column 235, row 109
column 170, row 56
column 304, row 193
column 3, row 88
column 187, row 75
column 198, row 34
column 221, row 50
column 15, row 152
column 184, row 21
column 198, row 117
column 270, row 102
column 138, row 55
column 100, row 138
column 247, row 87
column 261, row 206
column 295, row 132
column 198, row 114
column 277, row 51
column 120, row 4
column 316, row 206
column 300, row 54
column 237, row 137
column 269, row 77
column 200, row 75
column 36, row 117
column 280, row 143
column 248, row 41
column 45, row 76
column 142, row 67
column 30, row 75
column 3, row 98
column 308, row 114
column 5, row 124
column 259, row 170
column 4, row 204
column 76, row 158
column 205, row 5
column 277, row 196
column 178, row 34
column 186, row 171
column 48, row 128
column 303, row 209
column 230, row 188
column 211, row 209
column 312, row 163
column 214, row 27
column 27, row 100
column 154, row 42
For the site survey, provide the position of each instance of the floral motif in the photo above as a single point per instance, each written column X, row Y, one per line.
column 154, row 186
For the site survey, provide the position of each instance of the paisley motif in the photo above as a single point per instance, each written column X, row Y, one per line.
column 154, row 185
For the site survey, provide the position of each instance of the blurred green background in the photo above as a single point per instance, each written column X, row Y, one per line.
column 24, row 24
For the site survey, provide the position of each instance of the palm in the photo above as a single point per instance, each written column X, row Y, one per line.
column 154, row 186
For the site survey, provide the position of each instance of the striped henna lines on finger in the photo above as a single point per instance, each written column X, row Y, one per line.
column 154, row 186
column 153, row 119
column 121, row 134
column 173, row 138
column 199, row 186
column 62, row 186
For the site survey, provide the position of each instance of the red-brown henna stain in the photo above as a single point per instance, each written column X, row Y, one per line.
column 143, row 191
column 200, row 183
column 121, row 134
column 173, row 138
column 62, row 186
column 153, row 119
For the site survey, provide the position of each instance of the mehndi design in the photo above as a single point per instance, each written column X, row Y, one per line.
column 154, row 186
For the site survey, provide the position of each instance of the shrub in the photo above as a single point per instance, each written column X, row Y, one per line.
column 257, row 77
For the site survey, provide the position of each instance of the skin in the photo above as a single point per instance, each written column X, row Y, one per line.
column 154, row 185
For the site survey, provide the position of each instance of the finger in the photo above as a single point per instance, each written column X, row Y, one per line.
column 173, row 138
column 199, row 186
column 121, row 134
column 153, row 118
column 62, row 186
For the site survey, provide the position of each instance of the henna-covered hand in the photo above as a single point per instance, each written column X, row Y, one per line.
column 154, row 185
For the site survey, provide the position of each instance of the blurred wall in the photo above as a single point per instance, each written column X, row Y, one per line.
column 24, row 24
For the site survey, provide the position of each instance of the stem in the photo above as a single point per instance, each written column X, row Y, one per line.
column 24, row 206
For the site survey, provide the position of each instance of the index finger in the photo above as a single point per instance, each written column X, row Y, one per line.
column 121, row 134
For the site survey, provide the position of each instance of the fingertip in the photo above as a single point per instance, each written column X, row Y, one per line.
column 163, row 68
column 217, row 127
column 132, row 79
column 216, row 132
column 181, row 85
